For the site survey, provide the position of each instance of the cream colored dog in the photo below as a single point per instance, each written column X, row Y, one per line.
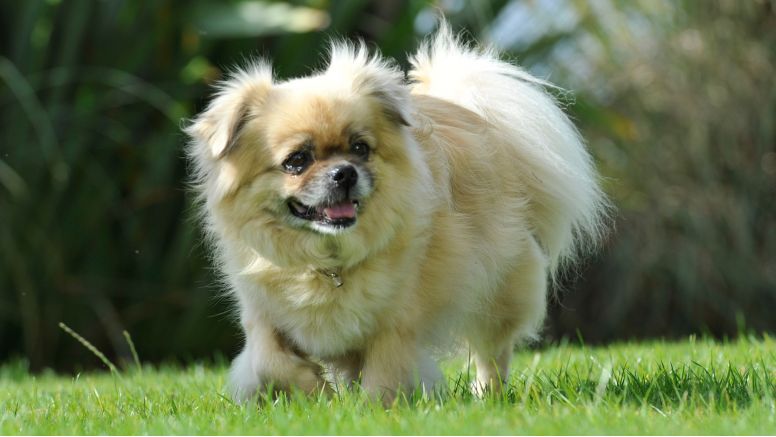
column 362, row 221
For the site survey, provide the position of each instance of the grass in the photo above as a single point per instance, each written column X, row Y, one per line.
column 693, row 387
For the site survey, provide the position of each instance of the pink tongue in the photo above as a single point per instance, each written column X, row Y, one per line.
column 343, row 210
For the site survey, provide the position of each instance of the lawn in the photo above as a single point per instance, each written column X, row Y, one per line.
column 693, row 387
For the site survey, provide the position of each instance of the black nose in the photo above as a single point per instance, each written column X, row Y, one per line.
column 344, row 176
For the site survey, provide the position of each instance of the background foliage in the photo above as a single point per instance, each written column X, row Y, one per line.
column 676, row 99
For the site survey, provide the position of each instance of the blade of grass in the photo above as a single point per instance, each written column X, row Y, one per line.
column 135, row 356
column 91, row 348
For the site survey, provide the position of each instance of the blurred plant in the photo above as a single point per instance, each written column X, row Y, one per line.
column 92, row 204
column 677, row 100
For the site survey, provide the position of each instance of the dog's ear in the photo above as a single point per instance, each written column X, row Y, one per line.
column 392, row 100
column 215, row 130
column 372, row 76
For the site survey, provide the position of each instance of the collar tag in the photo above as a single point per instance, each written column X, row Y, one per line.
column 334, row 275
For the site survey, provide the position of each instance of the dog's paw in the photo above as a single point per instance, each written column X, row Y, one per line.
column 244, row 378
column 421, row 379
column 479, row 389
column 251, row 374
column 484, row 388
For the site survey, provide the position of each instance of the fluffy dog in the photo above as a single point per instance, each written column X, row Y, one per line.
column 361, row 219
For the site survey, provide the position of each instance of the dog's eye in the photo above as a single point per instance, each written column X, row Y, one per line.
column 297, row 162
column 360, row 148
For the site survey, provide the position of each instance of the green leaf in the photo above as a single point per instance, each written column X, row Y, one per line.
column 257, row 18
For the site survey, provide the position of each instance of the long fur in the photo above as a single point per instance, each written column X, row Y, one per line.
column 480, row 191
column 568, row 207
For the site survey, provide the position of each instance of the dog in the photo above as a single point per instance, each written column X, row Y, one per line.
column 363, row 220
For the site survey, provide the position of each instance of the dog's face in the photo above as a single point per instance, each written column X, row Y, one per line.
column 313, row 170
column 326, row 152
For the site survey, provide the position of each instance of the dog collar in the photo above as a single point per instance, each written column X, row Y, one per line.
column 333, row 274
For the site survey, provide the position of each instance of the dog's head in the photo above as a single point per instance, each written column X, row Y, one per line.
column 318, row 169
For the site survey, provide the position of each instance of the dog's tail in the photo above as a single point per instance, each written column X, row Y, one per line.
column 567, row 207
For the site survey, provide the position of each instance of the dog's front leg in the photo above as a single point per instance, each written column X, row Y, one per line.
column 395, row 363
column 267, row 361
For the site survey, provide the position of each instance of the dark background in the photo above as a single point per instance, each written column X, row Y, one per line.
column 676, row 99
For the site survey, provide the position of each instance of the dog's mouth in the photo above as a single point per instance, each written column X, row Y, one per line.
column 339, row 215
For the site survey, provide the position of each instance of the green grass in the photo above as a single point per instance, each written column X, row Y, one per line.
column 692, row 387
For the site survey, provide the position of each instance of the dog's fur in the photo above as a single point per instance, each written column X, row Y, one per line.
column 476, row 190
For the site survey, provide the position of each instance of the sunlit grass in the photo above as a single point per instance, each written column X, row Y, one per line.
column 697, row 386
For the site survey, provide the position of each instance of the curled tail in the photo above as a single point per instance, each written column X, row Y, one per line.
column 568, row 207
